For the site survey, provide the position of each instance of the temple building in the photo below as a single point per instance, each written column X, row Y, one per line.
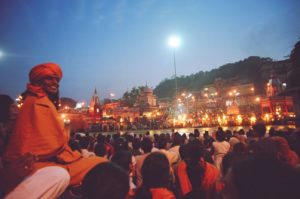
column 95, row 107
column 147, row 101
column 275, row 106
column 274, row 86
column 147, row 97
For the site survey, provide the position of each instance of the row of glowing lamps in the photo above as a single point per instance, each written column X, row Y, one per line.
column 230, row 93
column 222, row 120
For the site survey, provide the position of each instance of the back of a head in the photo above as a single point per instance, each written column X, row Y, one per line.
column 121, row 144
column 196, row 133
column 123, row 159
column 259, row 129
column 262, row 177
column 116, row 136
column 220, row 135
column 155, row 170
column 162, row 142
column 177, row 139
column 129, row 137
column 106, row 180
column 136, row 144
column 101, row 138
column 100, row 149
column 74, row 144
column 84, row 142
column 192, row 137
column 146, row 145
column 241, row 132
column 206, row 134
column 195, row 150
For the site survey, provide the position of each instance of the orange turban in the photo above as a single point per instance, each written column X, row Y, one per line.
column 42, row 70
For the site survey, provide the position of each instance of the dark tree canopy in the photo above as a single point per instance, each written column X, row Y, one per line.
column 246, row 70
column 130, row 98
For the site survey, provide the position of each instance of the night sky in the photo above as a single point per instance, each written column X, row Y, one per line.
column 114, row 45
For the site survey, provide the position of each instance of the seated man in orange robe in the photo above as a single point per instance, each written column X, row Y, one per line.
column 39, row 129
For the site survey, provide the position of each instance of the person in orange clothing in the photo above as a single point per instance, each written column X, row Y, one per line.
column 196, row 177
column 156, row 178
column 39, row 129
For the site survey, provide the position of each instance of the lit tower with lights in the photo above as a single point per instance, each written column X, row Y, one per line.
column 95, row 106
column 274, row 86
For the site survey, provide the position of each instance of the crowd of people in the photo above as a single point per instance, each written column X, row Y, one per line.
column 39, row 159
column 220, row 164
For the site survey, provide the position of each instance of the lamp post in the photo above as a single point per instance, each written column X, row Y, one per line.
column 174, row 42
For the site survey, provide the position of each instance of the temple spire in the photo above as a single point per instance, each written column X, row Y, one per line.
column 95, row 106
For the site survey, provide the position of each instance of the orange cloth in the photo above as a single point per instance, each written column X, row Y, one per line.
column 209, row 179
column 40, row 131
column 40, row 71
column 161, row 193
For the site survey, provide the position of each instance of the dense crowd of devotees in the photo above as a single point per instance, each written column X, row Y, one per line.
column 219, row 164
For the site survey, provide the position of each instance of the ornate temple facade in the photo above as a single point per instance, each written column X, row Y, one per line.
column 275, row 106
column 95, row 110
column 148, row 98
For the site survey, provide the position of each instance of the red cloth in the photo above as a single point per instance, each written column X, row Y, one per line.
column 161, row 193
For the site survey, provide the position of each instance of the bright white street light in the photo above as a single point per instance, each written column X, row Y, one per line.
column 174, row 41
column 1, row 54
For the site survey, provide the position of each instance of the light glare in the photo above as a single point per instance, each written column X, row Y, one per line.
column 174, row 41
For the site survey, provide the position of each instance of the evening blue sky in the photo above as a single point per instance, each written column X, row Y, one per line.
column 114, row 45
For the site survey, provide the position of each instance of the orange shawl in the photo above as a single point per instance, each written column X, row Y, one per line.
column 40, row 131
column 161, row 193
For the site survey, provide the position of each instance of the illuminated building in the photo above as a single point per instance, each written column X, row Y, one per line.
column 108, row 109
column 95, row 107
column 274, row 86
column 147, row 101
column 275, row 107
column 147, row 97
